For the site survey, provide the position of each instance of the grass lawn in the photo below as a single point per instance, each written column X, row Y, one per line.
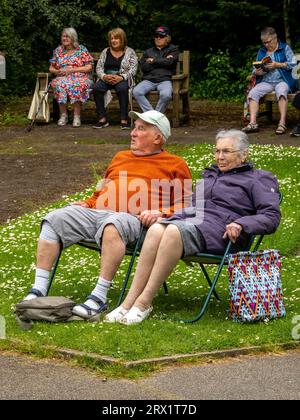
column 159, row 335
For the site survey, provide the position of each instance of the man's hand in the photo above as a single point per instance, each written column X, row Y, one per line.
column 233, row 231
column 80, row 203
column 148, row 217
column 149, row 60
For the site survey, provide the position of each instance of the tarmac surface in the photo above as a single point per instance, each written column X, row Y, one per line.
column 259, row 377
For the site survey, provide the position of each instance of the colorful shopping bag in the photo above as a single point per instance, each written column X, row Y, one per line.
column 255, row 287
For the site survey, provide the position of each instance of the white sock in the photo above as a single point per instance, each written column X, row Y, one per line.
column 101, row 290
column 41, row 283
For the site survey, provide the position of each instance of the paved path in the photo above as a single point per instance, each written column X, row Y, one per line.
column 247, row 377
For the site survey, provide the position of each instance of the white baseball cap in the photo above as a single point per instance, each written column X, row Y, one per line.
column 155, row 118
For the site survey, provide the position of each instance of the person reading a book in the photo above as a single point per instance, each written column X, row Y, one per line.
column 273, row 70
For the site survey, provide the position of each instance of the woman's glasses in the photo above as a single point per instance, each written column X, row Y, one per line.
column 226, row 152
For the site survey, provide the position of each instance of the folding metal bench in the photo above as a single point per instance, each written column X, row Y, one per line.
column 203, row 259
column 131, row 251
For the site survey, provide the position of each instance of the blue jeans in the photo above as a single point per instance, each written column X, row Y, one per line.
column 144, row 87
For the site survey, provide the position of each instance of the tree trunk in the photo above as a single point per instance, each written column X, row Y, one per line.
column 286, row 9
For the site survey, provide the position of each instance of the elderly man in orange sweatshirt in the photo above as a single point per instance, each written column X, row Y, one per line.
column 139, row 186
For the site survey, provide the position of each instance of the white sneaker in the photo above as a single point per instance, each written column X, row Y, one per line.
column 116, row 315
column 63, row 120
column 135, row 316
column 76, row 121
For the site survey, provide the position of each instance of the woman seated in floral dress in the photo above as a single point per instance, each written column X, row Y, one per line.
column 72, row 65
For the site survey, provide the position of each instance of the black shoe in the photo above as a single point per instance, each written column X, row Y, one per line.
column 296, row 131
column 125, row 126
column 101, row 124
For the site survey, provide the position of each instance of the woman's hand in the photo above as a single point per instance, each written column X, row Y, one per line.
column 275, row 65
column 259, row 72
column 69, row 70
column 112, row 79
column 233, row 231
column 57, row 71
column 117, row 79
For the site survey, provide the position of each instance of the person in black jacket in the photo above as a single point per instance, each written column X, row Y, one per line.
column 158, row 65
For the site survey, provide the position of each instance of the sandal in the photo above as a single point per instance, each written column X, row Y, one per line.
column 86, row 312
column 135, row 316
column 32, row 294
column 250, row 128
column 281, row 129
column 116, row 315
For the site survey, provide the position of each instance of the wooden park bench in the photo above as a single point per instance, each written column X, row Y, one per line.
column 180, row 109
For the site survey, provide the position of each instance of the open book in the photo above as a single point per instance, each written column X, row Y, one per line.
column 261, row 64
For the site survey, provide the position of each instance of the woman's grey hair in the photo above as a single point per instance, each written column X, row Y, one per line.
column 239, row 136
column 268, row 31
column 72, row 34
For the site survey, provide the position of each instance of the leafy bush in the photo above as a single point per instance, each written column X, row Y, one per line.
column 222, row 80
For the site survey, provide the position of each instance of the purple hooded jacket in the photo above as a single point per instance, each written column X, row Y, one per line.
column 244, row 195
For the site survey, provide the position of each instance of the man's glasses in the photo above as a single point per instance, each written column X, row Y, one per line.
column 160, row 36
column 226, row 152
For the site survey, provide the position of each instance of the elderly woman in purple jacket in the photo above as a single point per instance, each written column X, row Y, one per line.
column 232, row 201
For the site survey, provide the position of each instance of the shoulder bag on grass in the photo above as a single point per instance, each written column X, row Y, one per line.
column 255, row 288
column 48, row 308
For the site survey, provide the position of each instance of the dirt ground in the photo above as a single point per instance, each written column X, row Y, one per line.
column 40, row 166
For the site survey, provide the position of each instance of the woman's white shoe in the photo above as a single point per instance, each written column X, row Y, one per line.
column 76, row 121
column 135, row 316
column 63, row 120
column 116, row 315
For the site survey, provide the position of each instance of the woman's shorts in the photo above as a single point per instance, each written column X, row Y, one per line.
column 192, row 239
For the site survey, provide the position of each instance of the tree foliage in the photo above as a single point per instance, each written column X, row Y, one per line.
column 30, row 30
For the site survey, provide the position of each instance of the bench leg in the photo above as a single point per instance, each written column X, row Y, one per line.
column 269, row 110
column 129, row 270
column 176, row 110
column 209, row 281
column 55, row 110
column 186, row 107
column 211, row 290
column 54, row 271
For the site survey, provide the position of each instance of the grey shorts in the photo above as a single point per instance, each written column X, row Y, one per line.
column 75, row 223
column 192, row 239
column 261, row 89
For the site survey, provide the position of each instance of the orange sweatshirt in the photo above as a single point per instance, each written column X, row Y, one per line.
column 136, row 183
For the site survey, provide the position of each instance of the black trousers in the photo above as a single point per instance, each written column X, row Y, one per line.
column 121, row 88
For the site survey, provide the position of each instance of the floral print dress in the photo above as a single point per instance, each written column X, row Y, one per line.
column 76, row 86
